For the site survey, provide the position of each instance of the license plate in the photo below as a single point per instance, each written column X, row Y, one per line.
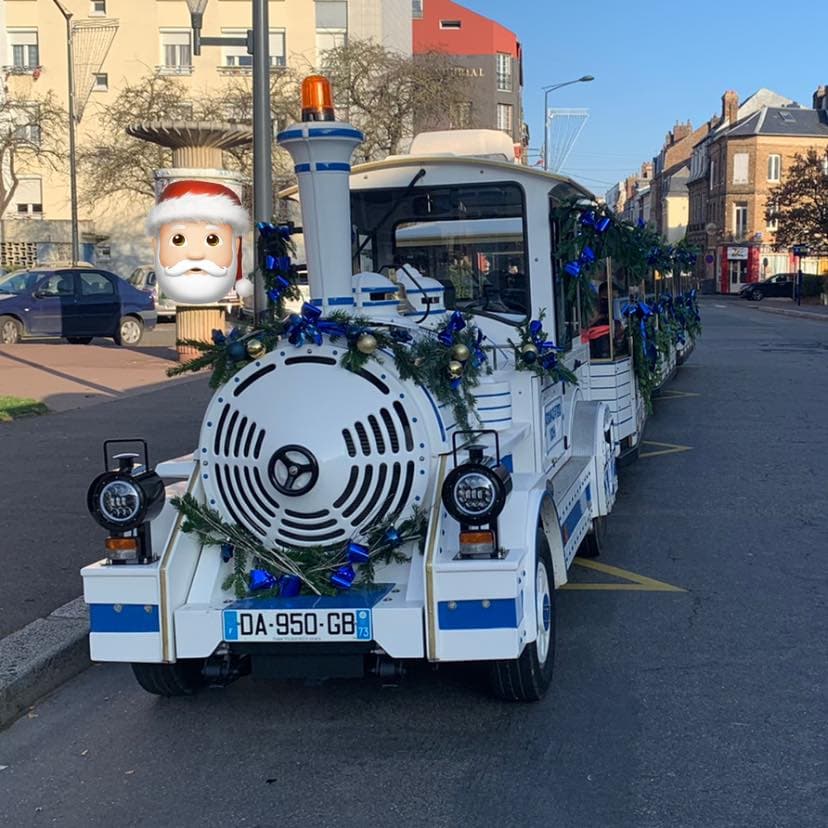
column 297, row 625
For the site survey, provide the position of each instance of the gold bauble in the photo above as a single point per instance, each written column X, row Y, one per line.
column 367, row 344
column 529, row 348
column 460, row 352
column 455, row 369
column 255, row 348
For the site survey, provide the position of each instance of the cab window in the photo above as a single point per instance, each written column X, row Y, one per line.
column 471, row 238
column 57, row 284
column 95, row 284
column 564, row 288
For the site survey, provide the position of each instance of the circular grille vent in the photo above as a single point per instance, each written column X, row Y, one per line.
column 303, row 452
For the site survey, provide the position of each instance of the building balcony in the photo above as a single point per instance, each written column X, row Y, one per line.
column 174, row 70
column 247, row 70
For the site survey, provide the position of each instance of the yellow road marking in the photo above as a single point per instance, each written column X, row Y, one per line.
column 666, row 448
column 635, row 582
column 674, row 395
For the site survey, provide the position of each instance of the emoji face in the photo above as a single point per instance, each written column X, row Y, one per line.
column 195, row 261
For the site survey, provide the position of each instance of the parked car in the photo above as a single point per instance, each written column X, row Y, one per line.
column 782, row 284
column 144, row 278
column 77, row 303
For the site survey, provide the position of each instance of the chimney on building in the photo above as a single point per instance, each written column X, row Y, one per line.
column 821, row 97
column 647, row 169
column 730, row 106
column 681, row 131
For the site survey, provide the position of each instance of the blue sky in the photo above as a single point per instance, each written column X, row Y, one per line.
column 656, row 62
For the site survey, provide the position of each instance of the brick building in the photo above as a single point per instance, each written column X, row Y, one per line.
column 745, row 156
column 488, row 54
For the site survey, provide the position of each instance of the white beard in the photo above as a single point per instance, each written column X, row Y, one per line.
column 198, row 288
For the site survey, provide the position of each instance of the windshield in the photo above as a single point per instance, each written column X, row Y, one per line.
column 18, row 282
column 469, row 237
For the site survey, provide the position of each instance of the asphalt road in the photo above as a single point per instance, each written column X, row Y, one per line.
column 698, row 708
column 46, row 466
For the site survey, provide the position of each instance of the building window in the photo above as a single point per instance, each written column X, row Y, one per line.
column 27, row 128
column 101, row 82
column 774, row 167
column 24, row 49
column 504, row 72
column 740, row 168
column 712, row 173
column 176, row 51
column 417, row 9
column 236, row 57
column 740, row 218
column 28, row 197
column 331, row 26
column 773, row 221
column 450, row 24
column 504, row 117
column 97, row 8
column 460, row 115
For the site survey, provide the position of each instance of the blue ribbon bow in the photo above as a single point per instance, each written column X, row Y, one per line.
column 455, row 324
column 343, row 577
column 280, row 286
column 358, row 553
column 303, row 326
column 547, row 350
column 289, row 585
column 261, row 579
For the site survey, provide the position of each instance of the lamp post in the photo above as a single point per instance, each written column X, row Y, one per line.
column 546, row 90
column 799, row 250
column 73, row 170
column 258, row 45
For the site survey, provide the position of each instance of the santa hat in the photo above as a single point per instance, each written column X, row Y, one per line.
column 207, row 201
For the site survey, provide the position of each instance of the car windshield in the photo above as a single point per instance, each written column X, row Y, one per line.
column 18, row 282
column 468, row 237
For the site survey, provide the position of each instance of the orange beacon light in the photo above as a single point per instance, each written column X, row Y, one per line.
column 317, row 100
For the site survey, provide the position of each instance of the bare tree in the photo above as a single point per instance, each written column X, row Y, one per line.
column 799, row 204
column 113, row 162
column 383, row 93
column 32, row 133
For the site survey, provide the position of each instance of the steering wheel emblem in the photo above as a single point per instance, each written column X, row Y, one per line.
column 293, row 470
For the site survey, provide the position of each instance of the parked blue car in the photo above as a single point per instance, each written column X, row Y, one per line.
column 77, row 303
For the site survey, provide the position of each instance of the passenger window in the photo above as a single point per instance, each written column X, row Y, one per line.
column 58, row 284
column 564, row 288
column 95, row 284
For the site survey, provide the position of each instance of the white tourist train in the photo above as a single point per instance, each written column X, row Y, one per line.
column 299, row 451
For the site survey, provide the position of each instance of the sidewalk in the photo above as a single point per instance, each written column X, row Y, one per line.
column 65, row 377
column 786, row 307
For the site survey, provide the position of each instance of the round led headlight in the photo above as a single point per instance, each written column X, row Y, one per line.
column 475, row 493
column 120, row 501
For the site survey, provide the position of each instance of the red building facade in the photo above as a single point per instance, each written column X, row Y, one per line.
column 485, row 52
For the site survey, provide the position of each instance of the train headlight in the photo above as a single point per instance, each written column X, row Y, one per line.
column 120, row 501
column 475, row 493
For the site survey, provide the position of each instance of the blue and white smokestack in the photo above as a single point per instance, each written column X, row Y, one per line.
column 321, row 149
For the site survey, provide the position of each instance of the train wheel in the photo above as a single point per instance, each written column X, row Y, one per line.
column 527, row 678
column 593, row 543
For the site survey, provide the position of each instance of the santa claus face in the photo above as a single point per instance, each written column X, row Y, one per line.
column 195, row 261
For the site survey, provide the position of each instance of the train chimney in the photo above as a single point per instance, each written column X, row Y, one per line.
column 321, row 148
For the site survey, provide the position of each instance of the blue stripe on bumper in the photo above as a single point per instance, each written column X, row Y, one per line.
column 124, row 618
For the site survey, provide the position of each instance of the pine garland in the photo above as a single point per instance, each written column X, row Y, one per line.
column 313, row 565
column 537, row 354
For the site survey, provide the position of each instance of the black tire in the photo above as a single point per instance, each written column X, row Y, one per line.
column 78, row 340
column 593, row 543
column 757, row 295
column 181, row 678
column 11, row 331
column 130, row 330
column 527, row 677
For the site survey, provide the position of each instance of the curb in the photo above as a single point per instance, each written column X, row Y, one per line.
column 38, row 658
column 822, row 317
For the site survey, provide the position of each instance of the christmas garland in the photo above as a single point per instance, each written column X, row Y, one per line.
column 264, row 572
column 537, row 354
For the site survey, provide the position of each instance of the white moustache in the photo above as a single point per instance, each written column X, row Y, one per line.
column 205, row 265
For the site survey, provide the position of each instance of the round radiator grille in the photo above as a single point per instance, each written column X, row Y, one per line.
column 303, row 452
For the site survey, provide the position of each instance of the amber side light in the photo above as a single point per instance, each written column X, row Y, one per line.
column 476, row 537
column 121, row 543
column 317, row 99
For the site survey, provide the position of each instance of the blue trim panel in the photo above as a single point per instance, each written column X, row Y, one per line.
column 498, row 394
column 370, row 304
column 501, row 614
column 506, row 462
column 332, row 166
column 588, row 494
column 133, row 618
column 573, row 519
column 499, row 420
column 335, row 132
column 436, row 414
column 335, row 300
column 494, row 407
column 289, row 133
column 302, row 168
column 355, row 598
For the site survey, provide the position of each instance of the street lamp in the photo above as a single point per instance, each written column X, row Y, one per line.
column 258, row 45
column 546, row 90
column 73, row 170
